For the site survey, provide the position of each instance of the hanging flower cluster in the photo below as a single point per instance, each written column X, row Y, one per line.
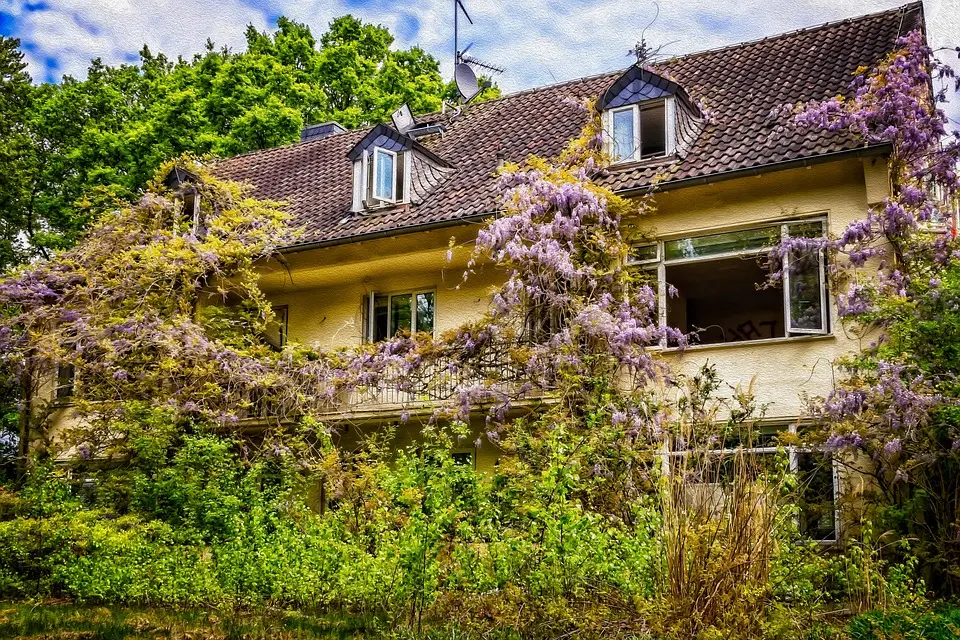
column 896, row 272
column 161, row 309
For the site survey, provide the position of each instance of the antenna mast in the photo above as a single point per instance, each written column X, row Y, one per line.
column 463, row 74
column 457, row 8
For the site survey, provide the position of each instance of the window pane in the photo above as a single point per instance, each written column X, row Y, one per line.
column 816, row 496
column 806, row 291
column 734, row 241
column 65, row 376
column 380, row 316
column 425, row 312
column 383, row 176
column 805, row 284
column 400, row 313
column 806, row 229
column 653, row 130
column 644, row 253
column 624, row 140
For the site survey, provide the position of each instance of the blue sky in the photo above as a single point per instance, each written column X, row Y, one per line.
column 538, row 41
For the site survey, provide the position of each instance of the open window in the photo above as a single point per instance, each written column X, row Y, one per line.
column 390, row 314
column 639, row 131
column 384, row 179
column 719, row 281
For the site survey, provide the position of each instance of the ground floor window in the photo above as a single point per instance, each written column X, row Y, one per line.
column 719, row 281
column 718, row 462
column 390, row 314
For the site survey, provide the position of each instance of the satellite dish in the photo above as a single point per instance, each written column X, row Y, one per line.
column 402, row 119
column 466, row 81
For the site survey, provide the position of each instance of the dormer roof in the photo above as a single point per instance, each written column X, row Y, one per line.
column 386, row 137
column 743, row 86
column 638, row 84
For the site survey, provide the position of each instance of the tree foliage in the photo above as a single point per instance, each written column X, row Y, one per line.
column 76, row 149
column 897, row 273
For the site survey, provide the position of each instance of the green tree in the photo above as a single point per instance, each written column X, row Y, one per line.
column 16, row 96
column 72, row 151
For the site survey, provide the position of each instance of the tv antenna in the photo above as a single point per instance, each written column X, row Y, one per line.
column 464, row 75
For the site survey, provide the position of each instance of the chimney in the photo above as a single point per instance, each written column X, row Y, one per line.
column 322, row 130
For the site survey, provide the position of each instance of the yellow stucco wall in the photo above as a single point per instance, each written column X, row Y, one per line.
column 781, row 372
column 325, row 288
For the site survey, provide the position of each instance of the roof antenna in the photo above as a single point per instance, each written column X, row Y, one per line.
column 464, row 75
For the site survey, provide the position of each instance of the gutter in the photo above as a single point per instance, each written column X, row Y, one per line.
column 870, row 151
column 388, row 233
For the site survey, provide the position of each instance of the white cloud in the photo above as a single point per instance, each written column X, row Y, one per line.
column 538, row 41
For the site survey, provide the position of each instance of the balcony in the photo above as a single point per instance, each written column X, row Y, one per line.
column 491, row 377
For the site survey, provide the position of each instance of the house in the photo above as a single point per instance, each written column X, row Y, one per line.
column 378, row 208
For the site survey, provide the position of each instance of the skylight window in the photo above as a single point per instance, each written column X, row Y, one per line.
column 639, row 131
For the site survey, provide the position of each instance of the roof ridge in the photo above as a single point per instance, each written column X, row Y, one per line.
column 902, row 9
column 522, row 92
column 295, row 143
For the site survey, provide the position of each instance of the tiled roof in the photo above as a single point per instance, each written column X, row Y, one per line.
column 740, row 85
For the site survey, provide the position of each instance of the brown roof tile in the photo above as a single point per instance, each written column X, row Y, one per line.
column 740, row 85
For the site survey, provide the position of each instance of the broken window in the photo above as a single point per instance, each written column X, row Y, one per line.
column 719, row 281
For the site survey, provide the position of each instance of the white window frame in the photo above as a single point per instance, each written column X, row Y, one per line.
column 662, row 262
column 635, row 109
column 377, row 152
column 788, row 327
column 371, row 316
column 667, row 456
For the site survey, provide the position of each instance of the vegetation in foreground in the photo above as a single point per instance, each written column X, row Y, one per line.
column 583, row 529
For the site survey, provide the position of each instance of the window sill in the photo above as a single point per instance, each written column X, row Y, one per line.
column 389, row 207
column 624, row 165
column 749, row 343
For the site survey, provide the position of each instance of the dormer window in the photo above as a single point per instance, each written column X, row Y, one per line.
column 647, row 116
column 384, row 175
column 639, row 131
column 391, row 169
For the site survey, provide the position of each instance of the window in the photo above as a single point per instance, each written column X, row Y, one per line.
column 277, row 330
column 639, row 131
column 381, row 179
column 384, row 175
column 945, row 213
column 542, row 322
column 66, row 374
column 718, row 276
column 759, row 455
column 390, row 314
column 817, row 494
